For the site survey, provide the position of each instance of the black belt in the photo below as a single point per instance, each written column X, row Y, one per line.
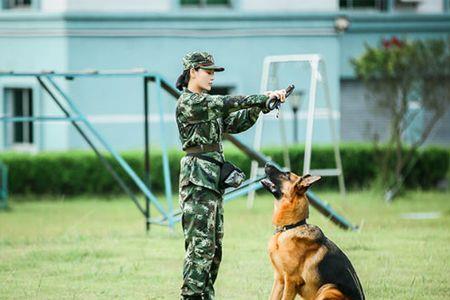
column 203, row 148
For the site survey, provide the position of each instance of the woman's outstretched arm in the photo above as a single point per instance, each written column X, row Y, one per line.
column 229, row 104
column 242, row 120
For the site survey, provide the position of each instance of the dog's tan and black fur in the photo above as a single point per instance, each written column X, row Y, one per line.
column 304, row 260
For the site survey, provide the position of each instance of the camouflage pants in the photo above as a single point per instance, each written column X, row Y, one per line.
column 202, row 222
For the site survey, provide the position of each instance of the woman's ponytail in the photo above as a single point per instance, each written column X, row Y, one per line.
column 183, row 80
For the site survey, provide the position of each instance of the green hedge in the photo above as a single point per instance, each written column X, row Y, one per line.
column 78, row 172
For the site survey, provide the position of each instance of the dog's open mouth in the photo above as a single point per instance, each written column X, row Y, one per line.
column 269, row 185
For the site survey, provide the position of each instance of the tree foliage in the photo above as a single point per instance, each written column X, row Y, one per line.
column 394, row 73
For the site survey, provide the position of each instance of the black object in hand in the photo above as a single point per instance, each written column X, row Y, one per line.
column 275, row 103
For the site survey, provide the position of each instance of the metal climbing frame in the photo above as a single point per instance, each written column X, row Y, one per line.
column 74, row 115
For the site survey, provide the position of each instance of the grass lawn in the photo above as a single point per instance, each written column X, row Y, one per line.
column 93, row 248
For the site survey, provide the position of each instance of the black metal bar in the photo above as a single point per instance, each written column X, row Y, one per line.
column 167, row 87
column 146, row 154
column 103, row 160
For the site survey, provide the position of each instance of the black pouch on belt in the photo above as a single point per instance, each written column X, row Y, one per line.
column 230, row 175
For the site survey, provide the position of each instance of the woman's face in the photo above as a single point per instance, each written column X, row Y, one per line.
column 202, row 78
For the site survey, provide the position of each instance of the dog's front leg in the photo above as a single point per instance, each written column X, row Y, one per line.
column 277, row 288
column 289, row 291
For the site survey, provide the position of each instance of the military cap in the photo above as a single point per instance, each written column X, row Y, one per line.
column 202, row 60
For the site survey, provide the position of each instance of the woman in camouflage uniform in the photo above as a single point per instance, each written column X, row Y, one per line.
column 201, row 120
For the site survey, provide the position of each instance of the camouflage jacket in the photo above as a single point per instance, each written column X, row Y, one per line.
column 202, row 119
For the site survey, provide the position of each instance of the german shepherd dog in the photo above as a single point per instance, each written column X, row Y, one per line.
column 304, row 260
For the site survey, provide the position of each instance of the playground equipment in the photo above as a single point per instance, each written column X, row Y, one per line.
column 89, row 133
column 318, row 75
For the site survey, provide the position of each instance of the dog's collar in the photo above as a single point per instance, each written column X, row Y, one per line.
column 290, row 226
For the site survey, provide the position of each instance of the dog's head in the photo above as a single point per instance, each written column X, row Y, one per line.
column 291, row 204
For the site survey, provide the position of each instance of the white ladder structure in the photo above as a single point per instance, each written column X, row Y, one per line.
column 318, row 75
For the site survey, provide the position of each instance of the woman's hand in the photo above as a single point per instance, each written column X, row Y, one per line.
column 279, row 94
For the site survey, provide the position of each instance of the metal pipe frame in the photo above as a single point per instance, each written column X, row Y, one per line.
column 86, row 73
column 46, row 81
column 314, row 60
column 38, row 119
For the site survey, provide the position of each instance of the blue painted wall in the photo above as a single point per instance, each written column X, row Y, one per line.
column 157, row 42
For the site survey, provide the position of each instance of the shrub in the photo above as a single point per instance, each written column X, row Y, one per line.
column 81, row 172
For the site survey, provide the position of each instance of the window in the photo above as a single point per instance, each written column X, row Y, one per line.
column 363, row 4
column 19, row 104
column 204, row 3
column 17, row 4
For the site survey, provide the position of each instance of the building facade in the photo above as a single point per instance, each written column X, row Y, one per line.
column 75, row 35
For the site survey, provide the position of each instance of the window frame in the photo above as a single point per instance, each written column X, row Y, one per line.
column 6, row 110
column 27, row 126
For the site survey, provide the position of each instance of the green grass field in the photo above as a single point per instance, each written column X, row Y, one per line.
column 91, row 248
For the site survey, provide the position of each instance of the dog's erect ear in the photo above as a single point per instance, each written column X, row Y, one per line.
column 303, row 183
